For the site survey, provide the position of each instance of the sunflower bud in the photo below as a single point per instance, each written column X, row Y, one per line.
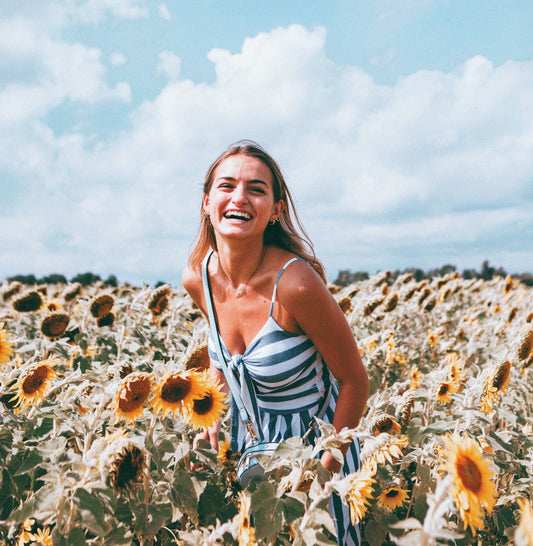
column 28, row 302
column 54, row 324
column 101, row 305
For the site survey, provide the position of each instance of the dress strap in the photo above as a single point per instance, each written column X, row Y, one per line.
column 277, row 280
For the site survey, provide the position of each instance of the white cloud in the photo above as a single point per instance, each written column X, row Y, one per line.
column 169, row 65
column 164, row 12
column 118, row 58
column 380, row 173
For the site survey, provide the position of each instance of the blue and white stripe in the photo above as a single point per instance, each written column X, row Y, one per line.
column 284, row 382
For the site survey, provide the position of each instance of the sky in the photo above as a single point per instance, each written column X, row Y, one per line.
column 404, row 129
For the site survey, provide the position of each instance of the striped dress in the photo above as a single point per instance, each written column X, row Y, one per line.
column 284, row 382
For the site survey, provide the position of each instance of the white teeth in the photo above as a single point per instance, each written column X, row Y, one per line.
column 237, row 215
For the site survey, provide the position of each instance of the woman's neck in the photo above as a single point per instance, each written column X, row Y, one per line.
column 239, row 263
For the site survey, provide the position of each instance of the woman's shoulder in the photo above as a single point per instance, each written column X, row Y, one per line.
column 191, row 279
column 299, row 277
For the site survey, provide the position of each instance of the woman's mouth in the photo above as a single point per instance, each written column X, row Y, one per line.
column 237, row 215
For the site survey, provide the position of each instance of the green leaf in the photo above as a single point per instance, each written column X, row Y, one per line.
column 374, row 533
column 149, row 518
column 294, row 509
column 272, row 513
column 184, row 494
column 92, row 512
column 119, row 536
column 209, row 504
column 30, row 460
column 76, row 537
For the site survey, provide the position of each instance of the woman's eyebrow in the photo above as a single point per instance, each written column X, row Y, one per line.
column 253, row 181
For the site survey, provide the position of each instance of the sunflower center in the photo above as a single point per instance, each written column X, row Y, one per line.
column 175, row 389
column 134, row 395
column 443, row 389
column 203, row 405
column 35, row 380
column 128, row 469
column 469, row 473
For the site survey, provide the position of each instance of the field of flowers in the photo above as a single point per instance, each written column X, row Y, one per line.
column 102, row 390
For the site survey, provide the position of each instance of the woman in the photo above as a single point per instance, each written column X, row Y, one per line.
column 284, row 336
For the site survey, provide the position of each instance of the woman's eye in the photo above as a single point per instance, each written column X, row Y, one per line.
column 258, row 190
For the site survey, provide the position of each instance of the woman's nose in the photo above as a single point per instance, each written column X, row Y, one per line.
column 239, row 194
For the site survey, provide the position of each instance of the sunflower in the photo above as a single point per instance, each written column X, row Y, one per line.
column 29, row 302
column 224, row 451
column 72, row 292
column 512, row 314
column 206, row 411
column 385, row 423
column 101, row 305
column 34, row 382
column 527, row 364
column 11, row 290
column 43, row 538
column 508, row 284
column 405, row 409
column 131, row 396
column 371, row 306
column 53, row 305
column 177, row 391
column 199, row 359
column 455, row 368
column 432, row 338
column 384, row 449
column 392, row 496
column 158, row 302
column 444, row 295
column 346, row 305
column 371, row 345
column 6, row 346
column 425, row 293
column 496, row 382
column 122, row 464
column 54, row 324
column 472, row 486
column 391, row 303
column 106, row 320
column 524, row 532
column 415, row 376
column 246, row 532
column 25, row 535
column 525, row 347
column 444, row 391
column 361, row 489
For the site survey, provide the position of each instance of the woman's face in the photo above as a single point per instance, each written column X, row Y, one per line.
column 240, row 202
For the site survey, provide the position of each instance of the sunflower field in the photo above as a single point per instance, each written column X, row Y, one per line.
column 103, row 390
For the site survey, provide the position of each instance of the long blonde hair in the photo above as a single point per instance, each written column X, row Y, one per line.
column 283, row 233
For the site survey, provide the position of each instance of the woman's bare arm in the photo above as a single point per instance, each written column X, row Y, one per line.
column 305, row 296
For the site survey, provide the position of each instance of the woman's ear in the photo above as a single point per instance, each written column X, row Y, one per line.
column 206, row 202
column 279, row 207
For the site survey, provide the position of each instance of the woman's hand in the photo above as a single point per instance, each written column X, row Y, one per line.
column 210, row 434
column 330, row 463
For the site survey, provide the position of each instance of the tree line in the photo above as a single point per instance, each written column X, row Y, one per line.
column 346, row 277
column 85, row 279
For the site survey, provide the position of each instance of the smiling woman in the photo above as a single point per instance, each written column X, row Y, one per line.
column 278, row 340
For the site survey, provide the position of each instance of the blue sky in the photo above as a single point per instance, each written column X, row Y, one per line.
column 405, row 128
